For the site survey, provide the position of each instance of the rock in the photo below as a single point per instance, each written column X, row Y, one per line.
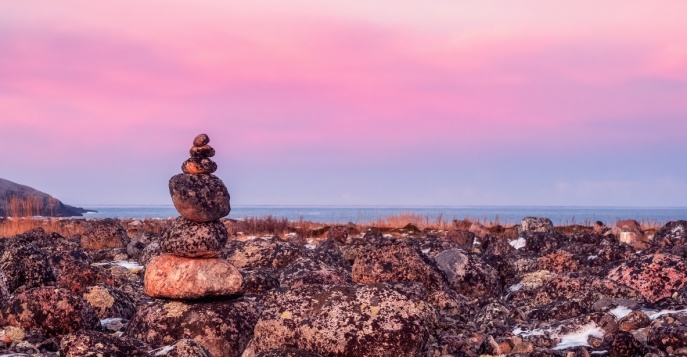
column 655, row 276
column 468, row 275
column 222, row 326
column 94, row 344
column 630, row 232
column 53, row 311
column 199, row 198
column 183, row 348
column 390, row 260
column 103, row 234
column 625, row 345
column 259, row 281
column 669, row 331
column 673, row 233
column 464, row 239
column 370, row 320
column 200, row 152
column 109, row 302
column 633, row 321
column 191, row 239
column 24, row 266
column 169, row 276
column 151, row 251
column 198, row 166
column 201, row 139
column 308, row 271
column 271, row 253
column 287, row 352
column 328, row 252
column 338, row 234
column 77, row 276
column 535, row 225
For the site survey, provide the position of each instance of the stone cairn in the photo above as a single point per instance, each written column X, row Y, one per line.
column 190, row 267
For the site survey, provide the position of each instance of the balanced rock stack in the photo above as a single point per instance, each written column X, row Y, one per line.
column 189, row 267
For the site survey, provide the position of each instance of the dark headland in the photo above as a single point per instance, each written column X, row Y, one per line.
column 27, row 201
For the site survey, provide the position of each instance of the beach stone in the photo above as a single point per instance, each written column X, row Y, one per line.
column 151, row 251
column 329, row 252
column 304, row 271
column 287, row 352
column 655, row 276
column 535, row 225
column 51, row 310
column 390, row 260
column 191, row 239
column 199, row 198
column 464, row 239
column 198, row 166
column 24, row 266
column 183, row 348
column 109, row 302
column 224, row 327
column 633, row 321
column 468, row 275
column 672, row 234
column 201, row 140
column 343, row 321
column 201, row 152
column 103, row 234
column 669, row 331
column 173, row 277
column 625, row 345
column 338, row 234
column 271, row 253
column 259, row 281
column 94, row 344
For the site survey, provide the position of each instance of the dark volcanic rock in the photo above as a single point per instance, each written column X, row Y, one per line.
column 305, row 271
column 342, row 321
column 271, row 253
column 329, row 253
column 202, row 151
column 464, row 239
column 198, row 166
column 338, row 234
column 672, row 234
column 46, row 205
column 468, row 275
column 224, row 327
column 656, row 276
column 103, row 234
column 200, row 198
column 259, row 281
column 24, row 266
column 50, row 310
column 94, row 344
column 625, row 345
column 76, row 276
column 151, row 251
column 390, row 260
column 109, row 302
column 183, row 348
column 191, row 239
column 669, row 331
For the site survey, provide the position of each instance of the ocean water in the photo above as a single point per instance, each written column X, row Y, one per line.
column 365, row 214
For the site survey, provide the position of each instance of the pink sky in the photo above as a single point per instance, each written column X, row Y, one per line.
column 355, row 102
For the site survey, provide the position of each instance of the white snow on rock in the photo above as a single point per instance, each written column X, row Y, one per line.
column 133, row 266
column 579, row 338
column 518, row 243
column 515, row 287
column 620, row 312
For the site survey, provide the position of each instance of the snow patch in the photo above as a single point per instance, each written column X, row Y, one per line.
column 426, row 251
column 163, row 351
column 525, row 333
column 311, row 246
column 518, row 243
column 620, row 312
column 592, row 257
column 654, row 314
column 515, row 287
column 579, row 338
column 133, row 266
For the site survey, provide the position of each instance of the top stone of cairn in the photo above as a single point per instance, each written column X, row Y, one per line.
column 201, row 140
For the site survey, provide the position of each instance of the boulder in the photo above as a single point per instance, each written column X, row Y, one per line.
column 151, row 251
column 25, row 266
column 625, row 345
column 328, row 252
column 199, row 198
column 198, row 166
column 52, row 311
column 271, row 253
column 183, row 348
column 94, row 344
column 308, row 271
column 535, row 225
column 191, row 239
column 259, row 281
column 224, row 327
column 464, row 239
column 287, row 352
column 468, row 275
column 390, row 260
column 109, row 302
column 342, row 321
column 655, row 276
column 669, row 331
column 103, row 234
column 338, row 234
column 672, row 234
column 173, row 277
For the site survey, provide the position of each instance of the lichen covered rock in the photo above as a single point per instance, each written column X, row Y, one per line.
column 173, row 277
column 109, row 302
column 183, row 348
column 655, row 276
column 224, row 327
column 199, row 198
column 25, row 266
column 468, row 275
column 271, row 253
column 341, row 321
column 103, row 234
column 191, row 239
column 95, row 344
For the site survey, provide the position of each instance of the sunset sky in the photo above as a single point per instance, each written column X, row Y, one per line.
column 402, row 102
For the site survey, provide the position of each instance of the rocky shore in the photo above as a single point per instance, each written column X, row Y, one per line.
column 195, row 286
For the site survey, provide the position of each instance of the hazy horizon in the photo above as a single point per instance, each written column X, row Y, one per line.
column 408, row 103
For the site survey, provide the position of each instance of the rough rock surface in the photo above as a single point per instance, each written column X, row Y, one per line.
column 201, row 140
column 224, row 327
column 655, row 276
column 535, row 225
column 671, row 234
column 202, row 151
column 103, row 234
column 287, row 352
column 109, row 302
column 169, row 276
column 50, row 310
column 340, row 321
column 191, row 239
column 464, row 239
column 198, row 166
column 200, row 198
column 669, row 331
column 24, row 266
column 389, row 260
column 96, row 344
column 468, row 274
column 308, row 271
column 183, row 348
column 262, row 253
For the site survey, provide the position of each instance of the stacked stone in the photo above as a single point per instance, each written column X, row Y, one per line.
column 190, row 267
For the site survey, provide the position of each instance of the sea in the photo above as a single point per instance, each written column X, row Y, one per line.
column 559, row 215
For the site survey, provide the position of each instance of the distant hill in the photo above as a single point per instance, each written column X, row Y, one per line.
column 16, row 199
